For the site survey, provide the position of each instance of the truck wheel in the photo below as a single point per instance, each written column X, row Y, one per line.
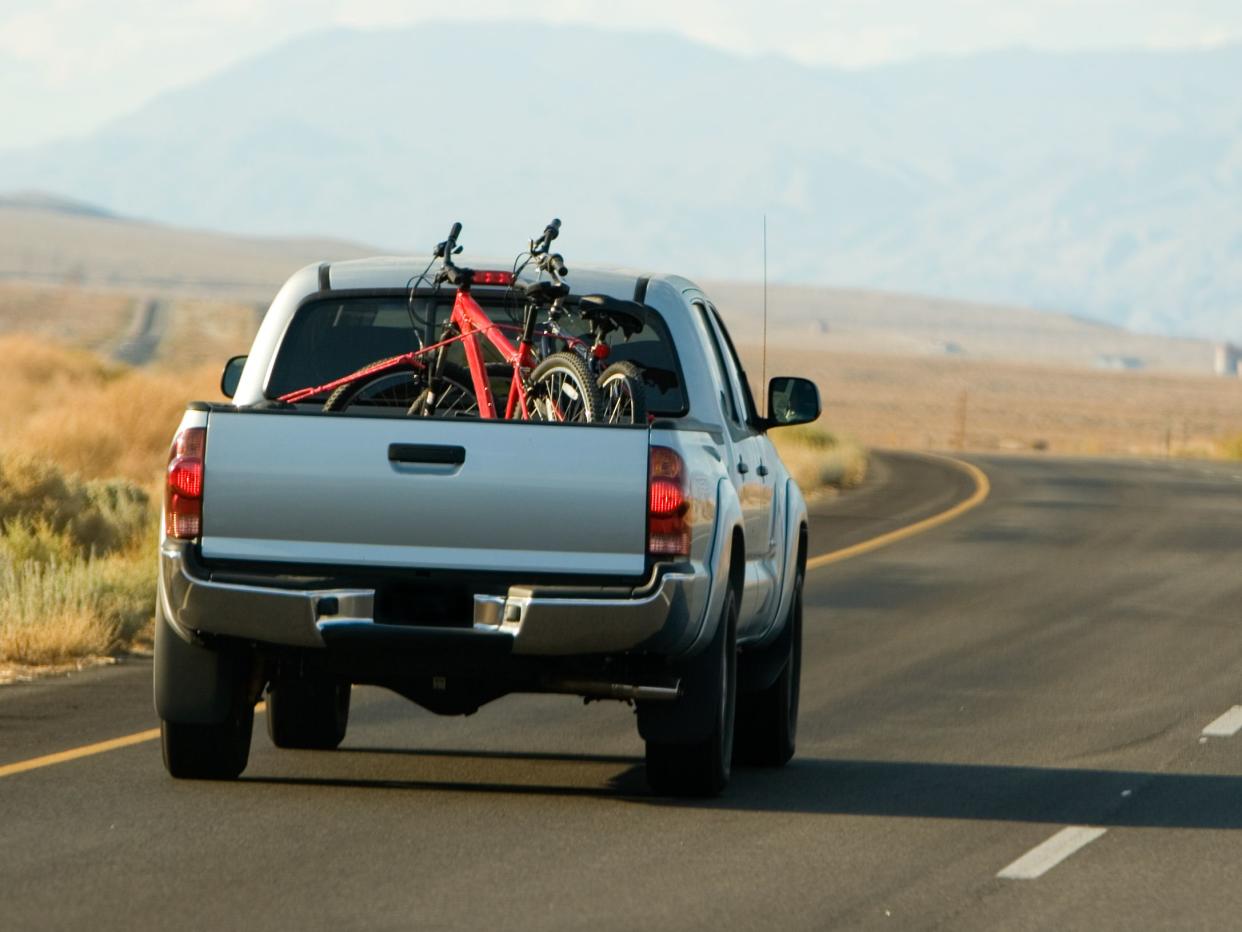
column 767, row 719
column 210, row 752
column 701, row 768
column 308, row 714
column 204, row 697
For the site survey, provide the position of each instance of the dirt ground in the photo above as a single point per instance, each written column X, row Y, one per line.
column 903, row 401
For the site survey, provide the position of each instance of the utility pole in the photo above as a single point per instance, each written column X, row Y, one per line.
column 959, row 440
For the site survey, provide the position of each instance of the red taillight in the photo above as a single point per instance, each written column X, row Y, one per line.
column 492, row 277
column 183, row 487
column 668, row 532
column 600, row 351
column 667, row 499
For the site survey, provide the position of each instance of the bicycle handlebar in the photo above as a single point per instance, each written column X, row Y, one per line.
column 446, row 249
column 545, row 259
column 544, row 243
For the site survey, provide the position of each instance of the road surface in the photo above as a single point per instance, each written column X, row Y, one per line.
column 1003, row 726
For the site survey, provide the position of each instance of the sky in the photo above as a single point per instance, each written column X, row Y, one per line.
column 68, row 66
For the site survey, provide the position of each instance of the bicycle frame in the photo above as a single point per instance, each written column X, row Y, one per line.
column 472, row 323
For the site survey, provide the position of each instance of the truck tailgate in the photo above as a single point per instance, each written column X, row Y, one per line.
column 425, row 493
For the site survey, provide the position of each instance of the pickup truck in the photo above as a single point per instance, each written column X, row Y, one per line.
column 457, row 560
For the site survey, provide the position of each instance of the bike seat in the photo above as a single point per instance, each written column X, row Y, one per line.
column 541, row 291
column 628, row 315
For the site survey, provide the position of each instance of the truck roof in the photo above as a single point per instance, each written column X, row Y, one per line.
column 384, row 272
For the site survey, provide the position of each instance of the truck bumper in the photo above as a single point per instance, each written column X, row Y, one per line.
column 526, row 621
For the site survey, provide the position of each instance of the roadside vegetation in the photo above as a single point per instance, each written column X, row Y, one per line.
column 82, row 448
column 820, row 461
column 1231, row 447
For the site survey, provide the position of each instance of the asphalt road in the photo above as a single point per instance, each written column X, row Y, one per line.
column 1043, row 665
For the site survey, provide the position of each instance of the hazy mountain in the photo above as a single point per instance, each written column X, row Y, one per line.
column 1105, row 184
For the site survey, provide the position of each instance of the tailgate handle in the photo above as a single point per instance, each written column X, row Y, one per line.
column 434, row 453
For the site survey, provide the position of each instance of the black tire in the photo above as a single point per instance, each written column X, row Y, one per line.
column 210, row 752
column 455, row 395
column 766, row 731
column 310, row 714
column 391, row 388
column 623, row 393
column 702, row 768
column 562, row 390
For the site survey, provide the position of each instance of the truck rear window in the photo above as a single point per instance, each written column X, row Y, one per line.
column 330, row 338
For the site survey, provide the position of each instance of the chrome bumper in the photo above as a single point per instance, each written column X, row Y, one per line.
column 538, row 625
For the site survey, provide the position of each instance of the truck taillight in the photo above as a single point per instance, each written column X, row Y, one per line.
column 183, row 486
column 668, row 533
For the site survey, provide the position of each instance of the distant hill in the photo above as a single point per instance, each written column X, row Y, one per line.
column 48, row 244
column 1104, row 184
column 41, row 200
column 43, row 240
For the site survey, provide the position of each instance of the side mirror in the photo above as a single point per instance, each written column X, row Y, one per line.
column 792, row 400
column 231, row 376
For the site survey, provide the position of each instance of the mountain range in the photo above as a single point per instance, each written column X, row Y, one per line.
column 1102, row 184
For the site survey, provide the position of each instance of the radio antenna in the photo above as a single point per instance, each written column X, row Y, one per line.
column 763, row 371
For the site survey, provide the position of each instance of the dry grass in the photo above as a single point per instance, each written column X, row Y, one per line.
column 818, row 460
column 76, row 570
column 905, row 402
column 82, row 445
column 1230, row 448
column 206, row 333
column 90, row 417
column 88, row 318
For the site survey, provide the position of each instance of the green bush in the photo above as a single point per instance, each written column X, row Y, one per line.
column 38, row 502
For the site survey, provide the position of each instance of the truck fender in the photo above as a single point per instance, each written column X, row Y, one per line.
column 728, row 520
column 194, row 684
column 687, row 719
column 760, row 663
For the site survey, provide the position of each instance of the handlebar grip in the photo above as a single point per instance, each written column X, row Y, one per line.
column 446, row 249
column 544, row 243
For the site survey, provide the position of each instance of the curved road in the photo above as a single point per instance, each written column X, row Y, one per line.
column 1002, row 727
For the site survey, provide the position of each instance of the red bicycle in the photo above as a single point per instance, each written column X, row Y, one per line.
column 552, row 386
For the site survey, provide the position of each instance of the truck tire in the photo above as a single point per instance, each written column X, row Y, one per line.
column 205, row 701
column 311, row 714
column 701, row 768
column 766, row 729
column 208, row 752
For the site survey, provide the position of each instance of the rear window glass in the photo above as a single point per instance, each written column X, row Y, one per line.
column 330, row 338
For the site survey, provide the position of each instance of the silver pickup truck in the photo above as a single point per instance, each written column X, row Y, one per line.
column 456, row 560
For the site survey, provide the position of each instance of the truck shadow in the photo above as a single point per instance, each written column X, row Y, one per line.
column 895, row 789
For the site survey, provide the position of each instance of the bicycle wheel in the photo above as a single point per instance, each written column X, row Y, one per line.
column 454, row 398
column 389, row 388
column 562, row 390
column 623, row 393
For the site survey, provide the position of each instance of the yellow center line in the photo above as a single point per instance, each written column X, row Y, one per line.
column 88, row 750
column 982, row 488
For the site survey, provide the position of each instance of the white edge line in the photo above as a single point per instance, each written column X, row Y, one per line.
column 1044, row 857
column 1227, row 725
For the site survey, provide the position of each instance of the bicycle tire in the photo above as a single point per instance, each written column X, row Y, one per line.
column 562, row 390
column 457, row 397
column 623, row 393
column 385, row 388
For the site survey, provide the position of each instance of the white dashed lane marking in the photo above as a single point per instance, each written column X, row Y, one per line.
column 1227, row 725
column 1043, row 858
